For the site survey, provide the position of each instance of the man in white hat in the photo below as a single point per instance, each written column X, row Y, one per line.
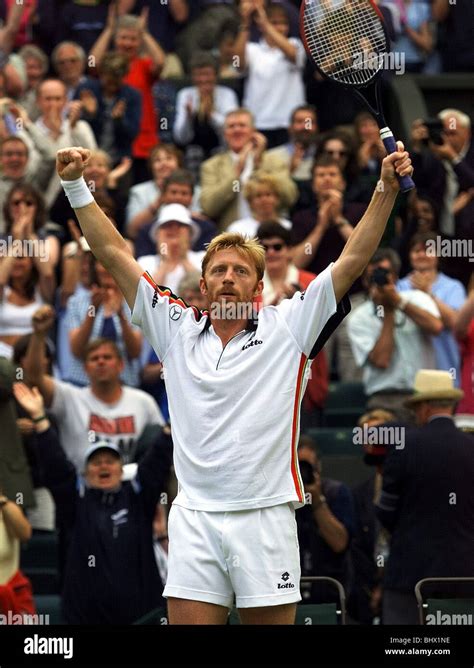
column 427, row 499
column 174, row 233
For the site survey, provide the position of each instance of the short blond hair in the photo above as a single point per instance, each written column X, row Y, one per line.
column 250, row 189
column 251, row 249
column 379, row 414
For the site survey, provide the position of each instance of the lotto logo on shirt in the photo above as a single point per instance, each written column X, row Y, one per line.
column 120, row 425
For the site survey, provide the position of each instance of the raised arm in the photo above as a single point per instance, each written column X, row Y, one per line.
column 464, row 318
column 42, row 321
column 106, row 243
column 366, row 237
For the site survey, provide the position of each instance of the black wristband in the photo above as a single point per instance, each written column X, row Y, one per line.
column 39, row 419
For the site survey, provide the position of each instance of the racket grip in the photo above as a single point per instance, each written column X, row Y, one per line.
column 386, row 135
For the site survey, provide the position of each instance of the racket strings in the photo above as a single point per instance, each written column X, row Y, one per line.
column 345, row 39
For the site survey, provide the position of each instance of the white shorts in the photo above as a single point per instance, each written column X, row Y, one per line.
column 252, row 553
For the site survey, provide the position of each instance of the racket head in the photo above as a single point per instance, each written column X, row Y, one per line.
column 345, row 39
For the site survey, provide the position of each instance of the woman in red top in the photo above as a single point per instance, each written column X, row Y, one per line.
column 131, row 38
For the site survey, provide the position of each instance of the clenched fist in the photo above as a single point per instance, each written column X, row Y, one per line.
column 70, row 162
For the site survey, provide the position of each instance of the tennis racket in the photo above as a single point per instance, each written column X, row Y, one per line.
column 347, row 41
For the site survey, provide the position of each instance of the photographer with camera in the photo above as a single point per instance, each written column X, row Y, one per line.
column 325, row 526
column 391, row 335
column 443, row 156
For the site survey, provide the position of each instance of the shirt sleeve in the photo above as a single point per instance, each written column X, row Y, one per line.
column 313, row 315
column 424, row 301
column 64, row 399
column 159, row 313
column 300, row 52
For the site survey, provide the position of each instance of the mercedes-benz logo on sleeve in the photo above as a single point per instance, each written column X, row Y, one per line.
column 175, row 312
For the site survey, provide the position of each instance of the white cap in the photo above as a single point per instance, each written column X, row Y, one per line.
column 103, row 444
column 174, row 213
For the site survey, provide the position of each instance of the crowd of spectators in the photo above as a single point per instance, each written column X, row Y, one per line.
column 204, row 117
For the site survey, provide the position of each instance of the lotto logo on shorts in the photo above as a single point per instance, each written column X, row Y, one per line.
column 288, row 585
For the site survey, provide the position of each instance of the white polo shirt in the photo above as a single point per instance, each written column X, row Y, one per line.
column 235, row 410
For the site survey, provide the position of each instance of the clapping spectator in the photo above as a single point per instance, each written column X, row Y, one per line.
column 146, row 198
column 174, row 231
column 130, row 36
column 102, row 313
column 416, row 42
column 112, row 108
column 391, row 335
column 447, row 293
column 178, row 188
column 201, row 108
column 275, row 65
column 224, row 176
column 69, row 61
column 36, row 67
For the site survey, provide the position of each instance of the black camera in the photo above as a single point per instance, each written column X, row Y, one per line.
column 307, row 473
column 379, row 277
column 435, row 131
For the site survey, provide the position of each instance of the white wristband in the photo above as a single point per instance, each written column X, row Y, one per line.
column 77, row 193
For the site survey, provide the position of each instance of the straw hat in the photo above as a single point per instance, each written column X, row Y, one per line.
column 431, row 384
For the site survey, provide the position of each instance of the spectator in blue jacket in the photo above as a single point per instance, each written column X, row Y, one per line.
column 112, row 108
column 111, row 576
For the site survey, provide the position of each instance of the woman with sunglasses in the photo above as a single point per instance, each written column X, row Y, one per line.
column 27, row 277
column 263, row 197
column 339, row 145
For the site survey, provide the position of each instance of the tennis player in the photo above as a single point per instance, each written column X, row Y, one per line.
column 235, row 381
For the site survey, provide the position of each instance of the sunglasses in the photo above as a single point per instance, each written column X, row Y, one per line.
column 276, row 247
column 17, row 202
column 343, row 153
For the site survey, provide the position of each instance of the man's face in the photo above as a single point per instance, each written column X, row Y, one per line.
column 326, row 179
column 103, row 365
column 34, row 71
column 13, row 159
column 174, row 236
column 69, row 65
column 104, row 470
column 52, row 98
column 238, row 131
column 127, row 41
column 306, row 454
column 230, row 278
column 178, row 193
column 204, row 78
column 454, row 133
column 304, row 127
column 264, row 202
column 420, row 261
column 111, row 83
column 105, row 279
column 424, row 215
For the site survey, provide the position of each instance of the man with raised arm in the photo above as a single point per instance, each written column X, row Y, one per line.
column 234, row 411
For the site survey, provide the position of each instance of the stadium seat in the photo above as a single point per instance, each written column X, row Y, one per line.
column 41, row 551
column 459, row 608
column 158, row 616
column 345, row 404
column 49, row 605
column 45, row 581
column 334, row 441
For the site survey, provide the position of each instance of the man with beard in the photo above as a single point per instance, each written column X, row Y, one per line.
column 234, row 412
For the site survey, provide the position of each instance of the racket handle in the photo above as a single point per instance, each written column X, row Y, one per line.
column 386, row 135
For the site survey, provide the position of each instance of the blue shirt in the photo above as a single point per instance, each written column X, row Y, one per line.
column 452, row 293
